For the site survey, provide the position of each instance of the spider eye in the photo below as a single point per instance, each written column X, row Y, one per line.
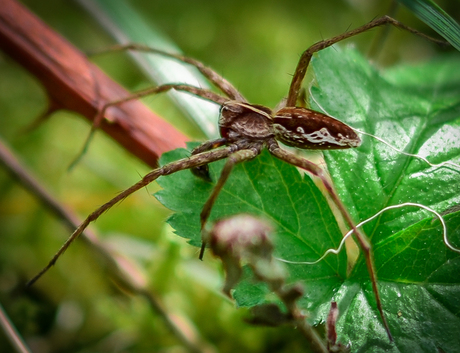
column 308, row 129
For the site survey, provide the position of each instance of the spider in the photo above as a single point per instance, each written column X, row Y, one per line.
column 246, row 129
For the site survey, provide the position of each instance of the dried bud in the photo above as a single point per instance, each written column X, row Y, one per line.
column 241, row 235
column 245, row 238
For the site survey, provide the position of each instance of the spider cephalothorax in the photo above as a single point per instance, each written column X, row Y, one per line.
column 243, row 121
column 248, row 128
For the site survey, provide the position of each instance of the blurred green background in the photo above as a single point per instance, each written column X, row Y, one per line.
column 76, row 307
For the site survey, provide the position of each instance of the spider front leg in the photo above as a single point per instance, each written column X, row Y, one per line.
column 304, row 61
column 173, row 167
column 217, row 80
column 233, row 159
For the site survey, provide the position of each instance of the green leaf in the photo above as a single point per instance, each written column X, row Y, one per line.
column 419, row 115
column 415, row 109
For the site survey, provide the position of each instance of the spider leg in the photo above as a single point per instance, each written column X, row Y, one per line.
column 235, row 158
column 217, row 80
column 202, row 171
column 173, row 167
column 364, row 243
column 209, row 145
column 200, row 92
column 304, row 61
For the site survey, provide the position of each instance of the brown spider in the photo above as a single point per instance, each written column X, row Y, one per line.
column 245, row 130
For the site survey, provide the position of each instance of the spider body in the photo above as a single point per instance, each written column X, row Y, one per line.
column 245, row 126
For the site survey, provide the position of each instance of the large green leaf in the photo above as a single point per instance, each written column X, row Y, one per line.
column 416, row 109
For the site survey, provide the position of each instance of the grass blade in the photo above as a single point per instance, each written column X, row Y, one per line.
column 430, row 13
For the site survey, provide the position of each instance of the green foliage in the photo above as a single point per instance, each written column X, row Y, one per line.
column 76, row 307
column 416, row 110
column 430, row 13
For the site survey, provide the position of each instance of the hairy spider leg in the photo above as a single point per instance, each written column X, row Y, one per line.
column 217, row 80
column 202, row 171
column 200, row 92
column 304, row 61
column 173, row 167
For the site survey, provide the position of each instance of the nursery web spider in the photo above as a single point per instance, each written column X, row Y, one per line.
column 246, row 129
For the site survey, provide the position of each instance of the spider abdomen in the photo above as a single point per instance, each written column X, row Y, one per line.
column 307, row 129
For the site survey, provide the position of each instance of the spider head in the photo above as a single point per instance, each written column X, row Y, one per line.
column 307, row 129
column 240, row 120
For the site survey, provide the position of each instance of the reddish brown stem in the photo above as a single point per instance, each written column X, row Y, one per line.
column 74, row 83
